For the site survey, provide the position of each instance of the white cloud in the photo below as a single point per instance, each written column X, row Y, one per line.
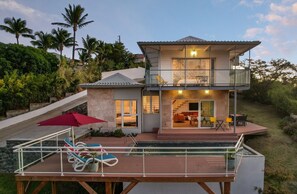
column 273, row 17
column 294, row 8
column 272, row 30
column 279, row 8
column 12, row 5
column 251, row 3
column 28, row 12
column 279, row 26
column 252, row 32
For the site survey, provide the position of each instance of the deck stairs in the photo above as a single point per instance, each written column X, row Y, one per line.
column 167, row 135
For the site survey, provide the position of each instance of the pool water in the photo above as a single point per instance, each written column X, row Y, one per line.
column 193, row 148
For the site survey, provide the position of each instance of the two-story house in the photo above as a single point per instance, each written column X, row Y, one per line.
column 187, row 82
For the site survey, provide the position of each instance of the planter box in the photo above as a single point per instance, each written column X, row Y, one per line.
column 13, row 113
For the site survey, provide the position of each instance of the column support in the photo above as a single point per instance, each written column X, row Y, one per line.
column 235, row 110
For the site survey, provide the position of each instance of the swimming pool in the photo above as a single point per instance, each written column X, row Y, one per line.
column 182, row 148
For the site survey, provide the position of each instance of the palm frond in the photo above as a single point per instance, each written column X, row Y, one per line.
column 61, row 24
column 84, row 24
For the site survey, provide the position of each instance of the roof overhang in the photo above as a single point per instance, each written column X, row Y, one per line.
column 89, row 86
column 236, row 48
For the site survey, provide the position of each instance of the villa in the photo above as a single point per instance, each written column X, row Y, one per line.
column 188, row 141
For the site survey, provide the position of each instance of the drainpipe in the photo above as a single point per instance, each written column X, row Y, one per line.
column 160, row 108
column 235, row 108
column 185, row 70
column 141, row 109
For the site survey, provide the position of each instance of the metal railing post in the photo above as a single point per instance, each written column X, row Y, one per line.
column 41, row 152
column 22, row 162
column 61, row 160
column 19, row 159
column 226, row 156
column 186, row 163
column 143, row 163
column 102, row 173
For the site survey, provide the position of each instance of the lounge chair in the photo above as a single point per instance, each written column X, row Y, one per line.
column 78, row 147
column 160, row 80
column 81, row 161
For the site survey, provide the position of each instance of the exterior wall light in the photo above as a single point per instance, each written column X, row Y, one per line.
column 193, row 53
column 180, row 92
column 206, row 91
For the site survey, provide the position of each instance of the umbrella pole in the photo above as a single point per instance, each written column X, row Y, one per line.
column 72, row 133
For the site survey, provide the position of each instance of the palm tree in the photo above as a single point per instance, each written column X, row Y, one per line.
column 61, row 38
column 90, row 45
column 83, row 57
column 44, row 41
column 17, row 27
column 74, row 18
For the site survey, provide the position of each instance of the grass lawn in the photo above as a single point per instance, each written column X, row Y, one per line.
column 7, row 184
column 279, row 150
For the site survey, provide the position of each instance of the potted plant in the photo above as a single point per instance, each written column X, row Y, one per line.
column 94, row 165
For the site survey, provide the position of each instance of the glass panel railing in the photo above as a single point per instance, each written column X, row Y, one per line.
column 198, row 77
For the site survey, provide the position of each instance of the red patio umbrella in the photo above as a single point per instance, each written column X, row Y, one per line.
column 70, row 119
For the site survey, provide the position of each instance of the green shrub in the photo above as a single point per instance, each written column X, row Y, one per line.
column 291, row 129
column 119, row 133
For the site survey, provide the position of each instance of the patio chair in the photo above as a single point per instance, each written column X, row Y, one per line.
column 213, row 120
column 241, row 120
column 227, row 122
column 78, row 147
column 160, row 80
column 83, row 159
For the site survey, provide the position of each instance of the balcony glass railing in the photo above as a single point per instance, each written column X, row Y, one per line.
column 198, row 77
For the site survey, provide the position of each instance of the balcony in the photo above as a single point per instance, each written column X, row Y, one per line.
column 215, row 79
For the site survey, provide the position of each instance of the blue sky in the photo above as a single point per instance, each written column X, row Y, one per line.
column 273, row 22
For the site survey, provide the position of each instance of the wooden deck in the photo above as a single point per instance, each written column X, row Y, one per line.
column 157, row 168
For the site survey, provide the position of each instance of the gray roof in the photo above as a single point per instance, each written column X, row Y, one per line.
column 114, row 81
column 191, row 40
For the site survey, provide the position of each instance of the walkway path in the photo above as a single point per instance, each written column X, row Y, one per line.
column 24, row 127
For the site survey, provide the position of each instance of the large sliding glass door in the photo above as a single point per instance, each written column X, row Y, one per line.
column 192, row 113
column 207, row 111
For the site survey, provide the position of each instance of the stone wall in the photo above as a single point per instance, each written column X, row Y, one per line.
column 9, row 159
column 101, row 105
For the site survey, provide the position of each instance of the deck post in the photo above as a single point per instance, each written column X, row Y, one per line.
column 20, row 187
column 227, row 187
column 235, row 107
column 108, row 188
column 160, row 109
column 54, row 187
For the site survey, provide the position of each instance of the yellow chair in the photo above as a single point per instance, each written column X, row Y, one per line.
column 227, row 123
column 160, row 80
column 213, row 120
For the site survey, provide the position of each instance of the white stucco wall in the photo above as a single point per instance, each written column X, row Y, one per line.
column 249, row 176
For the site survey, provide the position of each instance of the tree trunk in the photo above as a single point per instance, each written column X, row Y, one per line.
column 17, row 37
column 61, row 55
column 73, row 50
